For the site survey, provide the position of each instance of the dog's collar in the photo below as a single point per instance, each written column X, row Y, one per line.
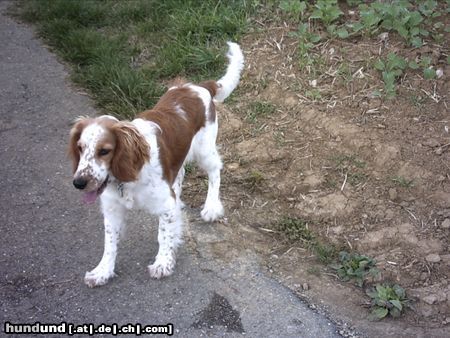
column 120, row 188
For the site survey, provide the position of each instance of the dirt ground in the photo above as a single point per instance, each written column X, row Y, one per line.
column 368, row 174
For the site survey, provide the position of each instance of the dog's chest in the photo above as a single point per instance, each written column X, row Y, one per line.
column 149, row 194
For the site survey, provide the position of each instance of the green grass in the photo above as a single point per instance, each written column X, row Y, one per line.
column 403, row 182
column 259, row 109
column 121, row 51
column 254, row 179
column 296, row 230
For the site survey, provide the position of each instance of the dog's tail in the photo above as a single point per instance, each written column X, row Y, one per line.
column 230, row 80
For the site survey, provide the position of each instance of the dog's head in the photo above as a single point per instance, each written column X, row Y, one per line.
column 102, row 147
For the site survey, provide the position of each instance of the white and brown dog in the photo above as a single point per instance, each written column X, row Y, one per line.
column 141, row 164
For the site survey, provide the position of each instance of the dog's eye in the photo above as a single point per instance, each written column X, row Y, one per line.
column 103, row 152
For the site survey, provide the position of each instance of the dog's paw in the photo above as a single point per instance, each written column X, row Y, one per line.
column 212, row 211
column 97, row 278
column 162, row 267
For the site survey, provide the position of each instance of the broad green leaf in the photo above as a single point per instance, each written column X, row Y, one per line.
column 314, row 38
column 413, row 65
column 357, row 26
column 317, row 14
column 415, row 18
column 414, row 31
column 429, row 73
column 388, row 78
column 425, row 61
column 399, row 291
column 379, row 313
column 370, row 292
column 397, row 304
column 424, row 32
column 379, row 64
column 342, row 33
column 416, row 42
column 394, row 312
column 402, row 31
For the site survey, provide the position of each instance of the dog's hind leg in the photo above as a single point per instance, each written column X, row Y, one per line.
column 205, row 154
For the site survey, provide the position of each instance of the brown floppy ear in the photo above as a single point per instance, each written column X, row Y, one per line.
column 75, row 134
column 130, row 154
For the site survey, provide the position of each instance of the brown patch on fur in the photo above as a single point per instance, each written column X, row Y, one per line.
column 177, row 131
column 211, row 86
column 75, row 134
column 130, row 153
column 212, row 112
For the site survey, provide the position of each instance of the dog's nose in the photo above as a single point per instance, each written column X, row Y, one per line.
column 80, row 183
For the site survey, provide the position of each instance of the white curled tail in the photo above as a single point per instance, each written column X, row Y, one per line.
column 230, row 80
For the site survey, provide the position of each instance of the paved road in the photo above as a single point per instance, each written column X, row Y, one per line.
column 48, row 239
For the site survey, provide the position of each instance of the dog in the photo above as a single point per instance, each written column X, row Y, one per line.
column 140, row 164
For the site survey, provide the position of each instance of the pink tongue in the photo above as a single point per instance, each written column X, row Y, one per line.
column 90, row 197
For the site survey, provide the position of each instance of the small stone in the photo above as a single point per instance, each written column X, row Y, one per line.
column 439, row 151
column 433, row 258
column 430, row 299
column 384, row 36
column 393, row 195
column 233, row 166
column 305, row 286
column 445, row 224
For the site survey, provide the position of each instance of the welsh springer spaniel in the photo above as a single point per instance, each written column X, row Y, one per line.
column 141, row 164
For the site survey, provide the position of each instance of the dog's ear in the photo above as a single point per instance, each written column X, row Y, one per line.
column 75, row 134
column 130, row 154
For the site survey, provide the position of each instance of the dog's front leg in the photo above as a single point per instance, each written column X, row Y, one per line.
column 169, row 237
column 114, row 219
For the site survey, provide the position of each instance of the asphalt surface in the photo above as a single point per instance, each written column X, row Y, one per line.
column 48, row 238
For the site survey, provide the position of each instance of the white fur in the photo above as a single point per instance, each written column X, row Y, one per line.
column 152, row 192
column 231, row 78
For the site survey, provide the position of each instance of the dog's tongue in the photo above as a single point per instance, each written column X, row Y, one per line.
column 90, row 197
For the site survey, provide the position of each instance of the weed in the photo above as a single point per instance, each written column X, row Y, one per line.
column 313, row 270
column 424, row 63
column 258, row 109
column 313, row 94
column 347, row 161
column 306, row 41
column 403, row 182
column 325, row 253
column 295, row 229
column 327, row 11
column 254, row 179
column 355, row 267
column 356, row 178
column 398, row 16
column 391, row 69
column 387, row 300
column 294, row 8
